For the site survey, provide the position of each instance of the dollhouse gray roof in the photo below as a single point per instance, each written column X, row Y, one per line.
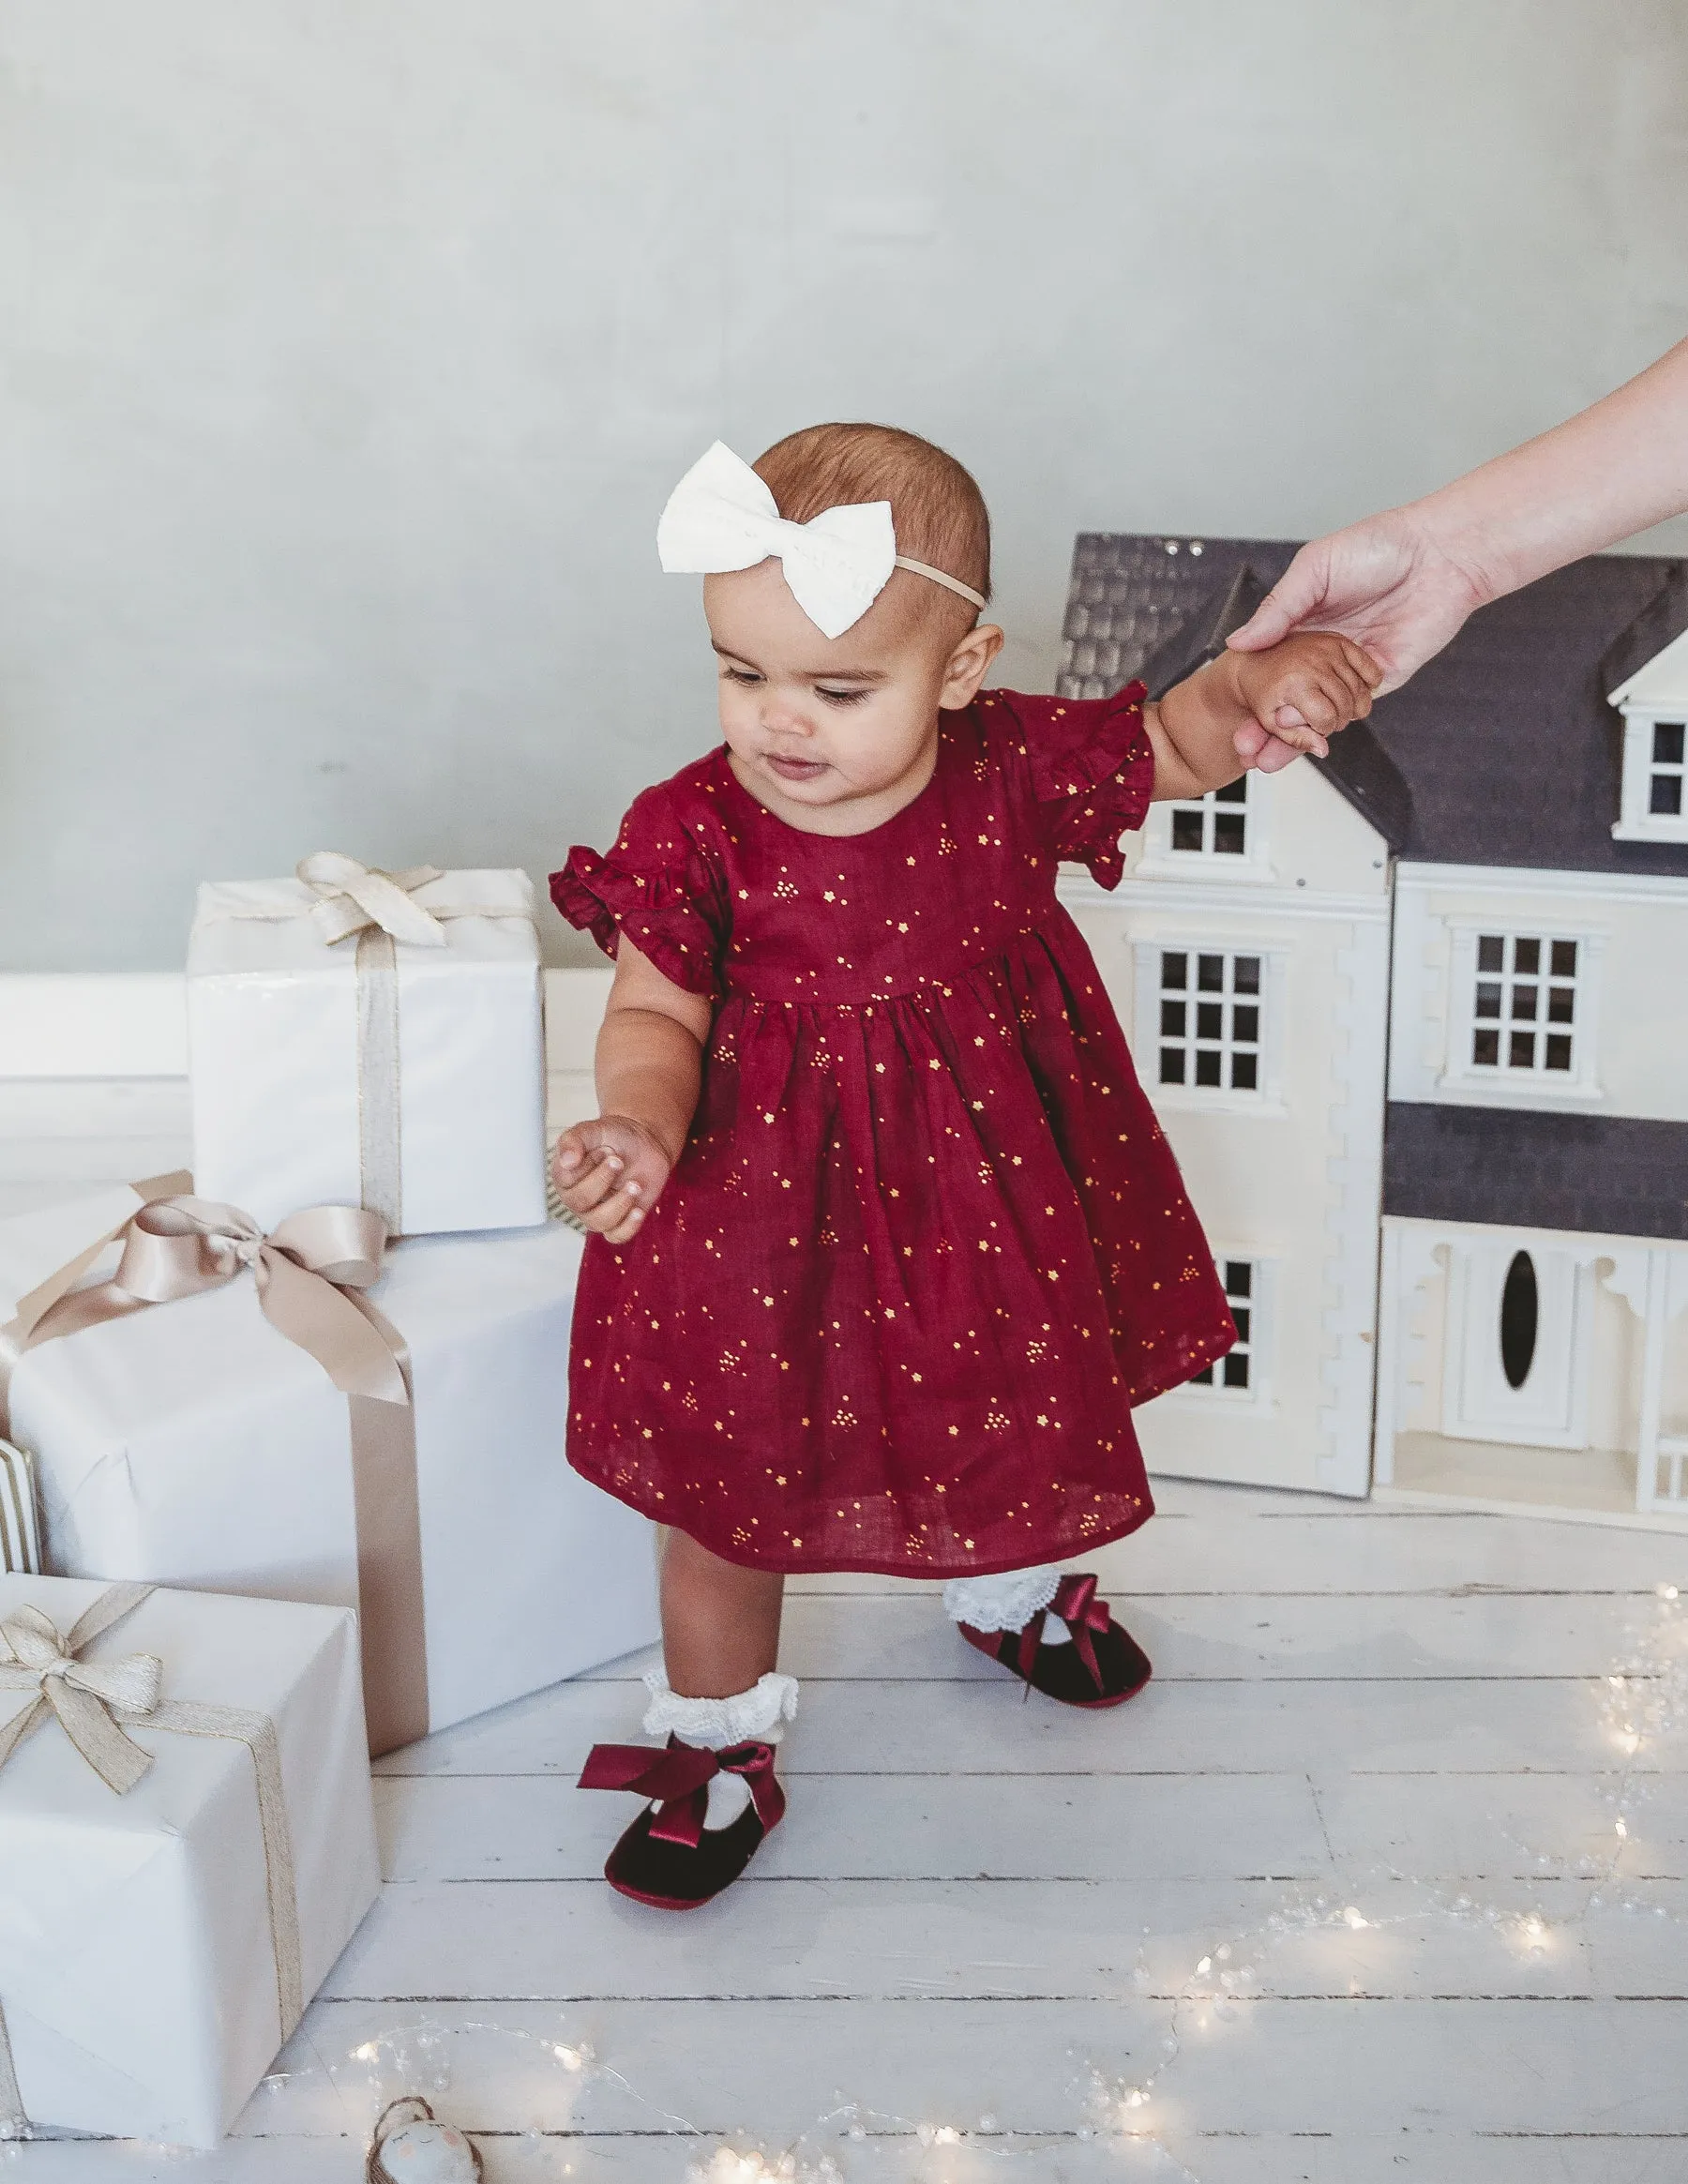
column 1605, row 1175
column 1661, row 622
column 1501, row 750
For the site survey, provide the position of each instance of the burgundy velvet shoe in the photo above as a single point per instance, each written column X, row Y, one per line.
column 1101, row 1666
column 667, row 1856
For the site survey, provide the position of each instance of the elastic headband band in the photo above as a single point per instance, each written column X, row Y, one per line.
column 954, row 585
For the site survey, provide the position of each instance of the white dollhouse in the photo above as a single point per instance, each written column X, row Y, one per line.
column 1412, row 1019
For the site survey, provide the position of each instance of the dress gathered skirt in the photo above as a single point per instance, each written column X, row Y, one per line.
column 926, row 1245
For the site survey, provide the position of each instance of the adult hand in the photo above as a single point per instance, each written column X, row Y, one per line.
column 1402, row 583
column 1386, row 584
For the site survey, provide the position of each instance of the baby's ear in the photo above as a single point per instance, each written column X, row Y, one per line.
column 968, row 665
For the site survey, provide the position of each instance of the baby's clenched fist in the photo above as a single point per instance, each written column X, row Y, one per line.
column 609, row 1173
column 1308, row 687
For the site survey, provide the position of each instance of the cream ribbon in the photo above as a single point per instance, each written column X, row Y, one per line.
column 379, row 907
column 309, row 1272
column 87, row 1698
column 721, row 516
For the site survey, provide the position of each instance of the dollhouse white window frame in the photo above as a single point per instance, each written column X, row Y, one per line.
column 1498, row 1083
column 1637, row 821
column 1259, row 1399
column 1267, row 1097
column 1253, row 863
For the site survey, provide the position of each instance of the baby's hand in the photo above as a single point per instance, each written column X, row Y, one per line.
column 1306, row 688
column 609, row 1174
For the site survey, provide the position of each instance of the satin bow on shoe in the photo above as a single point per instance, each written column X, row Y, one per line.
column 677, row 1780
column 1077, row 1606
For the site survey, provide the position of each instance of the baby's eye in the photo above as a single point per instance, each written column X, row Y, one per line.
column 741, row 675
column 840, row 697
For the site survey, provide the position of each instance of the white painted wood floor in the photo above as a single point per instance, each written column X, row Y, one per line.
column 1346, row 1891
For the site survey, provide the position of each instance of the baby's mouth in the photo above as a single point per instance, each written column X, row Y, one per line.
column 790, row 769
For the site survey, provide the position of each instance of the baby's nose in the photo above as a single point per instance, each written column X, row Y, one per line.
column 780, row 719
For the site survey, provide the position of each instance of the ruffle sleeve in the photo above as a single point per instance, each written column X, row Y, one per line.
column 656, row 886
column 1091, row 773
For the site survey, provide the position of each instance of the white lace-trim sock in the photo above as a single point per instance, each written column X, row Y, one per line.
column 1008, row 1602
column 712, row 1725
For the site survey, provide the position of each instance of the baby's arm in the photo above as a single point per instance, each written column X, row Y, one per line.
column 1329, row 680
column 650, row 1058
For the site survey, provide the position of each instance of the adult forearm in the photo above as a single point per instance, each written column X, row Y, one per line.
column 649, row 1068
column 1602, row 476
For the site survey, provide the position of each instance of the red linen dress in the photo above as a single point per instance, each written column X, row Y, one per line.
column 926, row 1244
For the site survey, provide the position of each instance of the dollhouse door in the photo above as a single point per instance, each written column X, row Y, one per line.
column 1517, row 1337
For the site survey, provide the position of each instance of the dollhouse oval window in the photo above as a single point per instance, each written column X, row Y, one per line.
column 1519, row 1314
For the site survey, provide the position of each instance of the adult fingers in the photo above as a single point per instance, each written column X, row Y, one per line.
column 1297, row 593
column 1291, row 729
column 1308, row 696
column 1275, row 755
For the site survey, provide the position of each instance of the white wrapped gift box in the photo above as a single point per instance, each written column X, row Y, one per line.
column 189, row 1443
column 157, row 1944
column 405, row 1074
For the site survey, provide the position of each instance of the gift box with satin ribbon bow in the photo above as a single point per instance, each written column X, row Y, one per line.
column 299, row 1415
column 373, row 1039
column 186, row 1845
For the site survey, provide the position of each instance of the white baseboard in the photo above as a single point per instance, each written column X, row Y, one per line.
column 61, row 1026
column 69, row 1024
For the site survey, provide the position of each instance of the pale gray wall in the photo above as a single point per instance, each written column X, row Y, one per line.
column 348, row 347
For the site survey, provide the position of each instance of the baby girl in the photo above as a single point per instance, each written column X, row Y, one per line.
column 885, row 1241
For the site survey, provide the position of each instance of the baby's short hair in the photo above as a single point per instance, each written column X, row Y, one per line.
column 936, row 505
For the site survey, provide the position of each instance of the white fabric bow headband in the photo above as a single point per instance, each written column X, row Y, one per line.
column 721, row 517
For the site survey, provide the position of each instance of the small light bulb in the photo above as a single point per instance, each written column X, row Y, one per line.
column 1624, row 1827
column 1205, row 1966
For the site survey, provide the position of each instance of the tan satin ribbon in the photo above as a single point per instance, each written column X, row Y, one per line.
column 18, row 1332
column 377, row 906
column 309, row 1272
column 106, row 1689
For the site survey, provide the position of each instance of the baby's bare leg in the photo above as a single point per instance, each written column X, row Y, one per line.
column 720, row 1621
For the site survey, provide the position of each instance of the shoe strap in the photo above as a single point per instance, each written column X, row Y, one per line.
column 1077, row 1606
column 754, row 1763
column 677, row 1780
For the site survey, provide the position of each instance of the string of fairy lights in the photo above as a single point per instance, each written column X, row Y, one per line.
column 1639, row 1703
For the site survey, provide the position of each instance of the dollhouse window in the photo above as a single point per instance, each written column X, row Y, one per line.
column 1235, row 1369
column 1207, row 1023
column 1216, row 825
column 1524, row 1010
column 1654, row 793
column 1210, row 1020
column 1665, row 770
column 1523, row 1022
